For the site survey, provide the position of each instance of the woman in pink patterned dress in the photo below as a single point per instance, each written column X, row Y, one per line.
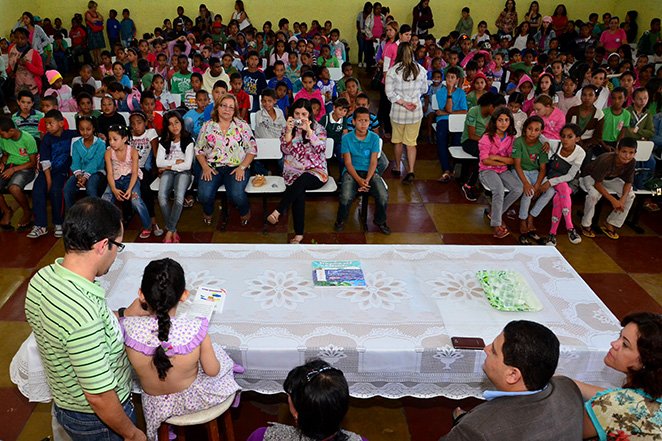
column 303, row 143
column 180, row 371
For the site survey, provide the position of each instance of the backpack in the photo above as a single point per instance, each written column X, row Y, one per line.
column 135, row 94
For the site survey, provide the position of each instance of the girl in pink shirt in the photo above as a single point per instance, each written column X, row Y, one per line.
column 553, row 117
column 495, row 155
column 309, row 92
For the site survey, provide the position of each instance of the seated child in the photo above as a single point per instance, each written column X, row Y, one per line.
column 54, row 163
column 27, row 118
column 283, row 97
column 119, row 74
column 17, row 168
column 87, row 164
column 164, row 100
column 168, row 352
column 279, row 76
column 352, row 91
column 552, row 117
column 86, row 109
column 293, row 68
column 449, row 99
column 530, row 167
column 362, row 100
column 515, row 105
column 326, row 58
column 174, row 159
column 127, row 99
column 85, row 76
column 433, row 88
column 567, row 97
column 154, row 118
column 66, row 102
column 562, row 168
column 310, row 91
column 360, row 149
column 48, row 103
column 269, row 120
column 253, row 79
column 347, row 72
column 615, row 119
column 611, row 172
column 496, row 148
column 144, row 140
column 195, row 118
column 123, row 175
column 335, row 124
column 109, row 117
column 190, row 97
column 243, row 99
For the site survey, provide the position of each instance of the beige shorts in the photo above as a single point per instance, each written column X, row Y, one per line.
column 405, row 133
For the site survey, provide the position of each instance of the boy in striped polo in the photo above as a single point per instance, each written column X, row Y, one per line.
column 78, row 336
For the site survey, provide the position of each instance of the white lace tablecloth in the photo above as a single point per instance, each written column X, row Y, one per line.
column 392, row 338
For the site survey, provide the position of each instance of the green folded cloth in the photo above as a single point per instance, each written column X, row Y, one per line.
column 508, row 291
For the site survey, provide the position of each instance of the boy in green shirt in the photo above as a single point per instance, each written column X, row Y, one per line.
column 17, row 169
column 180, row 83
column 615, row 120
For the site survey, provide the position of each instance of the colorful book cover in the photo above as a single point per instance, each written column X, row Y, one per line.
column 338, row 273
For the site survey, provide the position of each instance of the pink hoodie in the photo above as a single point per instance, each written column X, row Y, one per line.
column 527, row 107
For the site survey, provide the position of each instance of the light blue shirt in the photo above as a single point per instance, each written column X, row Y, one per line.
column 489, row 395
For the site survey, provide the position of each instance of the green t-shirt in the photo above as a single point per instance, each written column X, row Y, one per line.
column 532, row 156
column 180, row 84
column 341, row 86
column 520, row 66
column 613, row 124
column 475, row 119
column 19, row 151
column 146, row 80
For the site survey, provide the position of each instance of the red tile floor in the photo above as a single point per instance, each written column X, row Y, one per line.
column 624, row 273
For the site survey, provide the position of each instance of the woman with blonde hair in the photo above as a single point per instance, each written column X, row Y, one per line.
column 406, row 81
column 225, row 149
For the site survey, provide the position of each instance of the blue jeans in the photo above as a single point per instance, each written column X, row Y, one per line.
column 235, row 190
column 136, row 201
column 645, row 171
column 95, row 186
column 349, row 189
column 40, row 194
column 443, row 135
column 179, row 182
column 87, row 426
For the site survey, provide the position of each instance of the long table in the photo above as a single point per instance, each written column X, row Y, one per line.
column 391, row 338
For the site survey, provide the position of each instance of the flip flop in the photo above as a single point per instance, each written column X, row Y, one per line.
column 445, row 178
column 24, row 227
column 612, row 234
column 588, row 232
column 501, row 232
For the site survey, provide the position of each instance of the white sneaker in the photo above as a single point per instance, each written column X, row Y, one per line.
column 37, row 232
column 58, row 231
column 158, row 232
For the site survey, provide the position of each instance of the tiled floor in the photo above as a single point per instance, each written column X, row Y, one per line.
column 625, row 274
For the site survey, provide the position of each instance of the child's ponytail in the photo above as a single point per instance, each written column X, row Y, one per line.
column 162, row 286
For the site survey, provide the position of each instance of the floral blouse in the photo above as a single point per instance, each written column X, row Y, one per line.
column 226, row 149
column 625, row 415
column 300, row 157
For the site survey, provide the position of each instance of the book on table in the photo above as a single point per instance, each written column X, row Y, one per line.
column 344, row 273
column 204, row 303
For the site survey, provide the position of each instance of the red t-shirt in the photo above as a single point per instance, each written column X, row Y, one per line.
column 156, row 123
column 243, row 100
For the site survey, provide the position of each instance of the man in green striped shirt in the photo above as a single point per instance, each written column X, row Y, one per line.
column 79, row 338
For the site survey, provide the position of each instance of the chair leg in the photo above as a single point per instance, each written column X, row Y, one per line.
column 181, row 433
column 635, row 212
column 265, row 215
column 212, row 431
column 163, row 432
column 363, row 212
column 225, row 211
column 229, row 427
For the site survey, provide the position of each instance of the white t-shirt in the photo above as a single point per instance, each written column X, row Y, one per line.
column 143, row 145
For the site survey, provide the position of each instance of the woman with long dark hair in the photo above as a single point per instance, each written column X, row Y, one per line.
column 634, row 410
column 303, row 143
column 423, row 20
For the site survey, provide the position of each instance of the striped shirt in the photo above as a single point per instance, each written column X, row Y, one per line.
column 79, row 338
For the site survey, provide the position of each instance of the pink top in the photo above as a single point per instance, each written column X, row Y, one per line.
column 612, row 42
column 123, row 168
column 377, row 27
column 388, row 55
column 316, row 93
column 553, row 124
column 300, row 157
column 496, row 146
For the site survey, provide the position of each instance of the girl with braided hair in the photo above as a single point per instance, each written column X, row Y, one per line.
column 180, row 370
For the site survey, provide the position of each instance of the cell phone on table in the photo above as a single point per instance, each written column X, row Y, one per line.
column 475, row 343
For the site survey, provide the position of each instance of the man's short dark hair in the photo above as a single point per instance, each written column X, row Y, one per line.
column 88, row 221
column 533, row 349
column 24, row 93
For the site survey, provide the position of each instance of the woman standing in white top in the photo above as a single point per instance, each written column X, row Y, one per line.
column 406, row 81
column 240, row 15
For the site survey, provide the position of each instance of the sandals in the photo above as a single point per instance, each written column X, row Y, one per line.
column 296, row 240
column 588, row 232
column 206, row 219
column 487, row 214
column 272, row 219
column 188, row 202
column 395, row 172
column 245, row 219
column 409, row 178
column 500, row 232
column 609, row 232
column 24, row 227
column 651, row 206
column 445, row 178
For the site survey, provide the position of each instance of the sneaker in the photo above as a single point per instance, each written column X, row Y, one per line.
column 37, row 232
column 6, row 110
column 574, row 236
column 469, row 193
column 58, row 231
column 158, row 232
column 551, row 240
column 384, row 228
column 144, row 234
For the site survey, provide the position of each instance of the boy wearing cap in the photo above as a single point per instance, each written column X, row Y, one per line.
column 63, row 93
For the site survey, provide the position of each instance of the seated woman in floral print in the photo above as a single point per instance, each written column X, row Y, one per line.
column 634, row 411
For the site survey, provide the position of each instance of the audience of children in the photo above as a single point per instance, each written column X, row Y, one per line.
column 596, row 85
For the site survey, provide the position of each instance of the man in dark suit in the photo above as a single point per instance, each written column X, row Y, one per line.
column 528, row 403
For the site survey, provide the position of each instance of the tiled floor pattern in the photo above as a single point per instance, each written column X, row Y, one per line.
column 625, row 274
